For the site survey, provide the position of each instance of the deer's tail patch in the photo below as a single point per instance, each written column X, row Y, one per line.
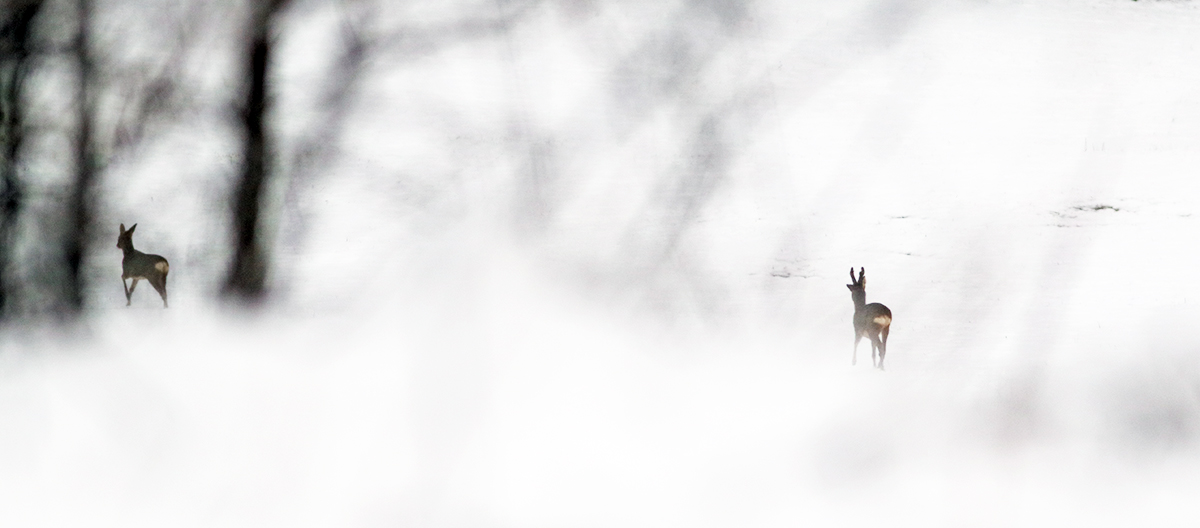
column 162, row 267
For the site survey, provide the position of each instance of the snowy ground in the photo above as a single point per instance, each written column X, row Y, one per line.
column 555, row 285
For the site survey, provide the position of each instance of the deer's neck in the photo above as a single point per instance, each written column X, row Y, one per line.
column 860, row 300
column 129, row 251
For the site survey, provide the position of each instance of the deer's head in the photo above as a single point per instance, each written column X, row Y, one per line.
column 858, row 287
column 125, row 238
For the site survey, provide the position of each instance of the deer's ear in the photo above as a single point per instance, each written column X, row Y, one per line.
column 122, row 228
column 131, row 228
column 850, row 287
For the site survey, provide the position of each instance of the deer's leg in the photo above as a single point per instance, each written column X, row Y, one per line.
column 127, row 292
column 883, row 346
column 132, row 287
column 875, row 349
column 160, row 286
column 857, row 338
column 876, row 345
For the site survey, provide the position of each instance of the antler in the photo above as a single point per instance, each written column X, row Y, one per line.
column 852, row 281
column 862, row 272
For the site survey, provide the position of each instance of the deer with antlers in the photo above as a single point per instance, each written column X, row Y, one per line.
column 870, row 320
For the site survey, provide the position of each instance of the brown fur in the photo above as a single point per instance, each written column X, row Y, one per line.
column 137, row 266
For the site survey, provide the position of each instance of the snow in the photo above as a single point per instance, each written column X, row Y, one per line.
column 589, row 272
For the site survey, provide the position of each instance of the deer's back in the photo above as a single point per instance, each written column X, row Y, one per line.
column 873, row 316
column 143, row 266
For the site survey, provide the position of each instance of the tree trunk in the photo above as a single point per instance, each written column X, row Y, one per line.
column 248, row 272
column 79, row 209
column 14, row 65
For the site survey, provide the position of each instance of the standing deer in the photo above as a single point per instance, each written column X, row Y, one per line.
column 870, row 320
column 137, row 265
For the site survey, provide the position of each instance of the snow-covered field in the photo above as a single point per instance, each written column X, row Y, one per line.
column 589, row 272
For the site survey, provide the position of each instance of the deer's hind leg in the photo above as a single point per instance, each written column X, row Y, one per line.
column 128, row 292
column 883, row 345
column 160, row 286
column 876, row 347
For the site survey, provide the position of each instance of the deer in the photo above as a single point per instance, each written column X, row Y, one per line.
column 137, row 265
column 872, row 321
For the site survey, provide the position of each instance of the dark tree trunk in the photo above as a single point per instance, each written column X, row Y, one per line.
column 248, row 271
column 79, row 208
column 14, row 65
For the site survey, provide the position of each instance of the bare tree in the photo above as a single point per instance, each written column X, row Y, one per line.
column 315, row 150
column 15, row 52
column 246, row 279
column 79, row 209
